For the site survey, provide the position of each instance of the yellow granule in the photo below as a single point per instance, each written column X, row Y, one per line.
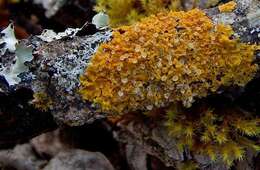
column 170, row 57
column 227, row 7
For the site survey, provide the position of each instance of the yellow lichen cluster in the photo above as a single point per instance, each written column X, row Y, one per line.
column 42, row 101
column 124, row 12
column 170, row 57
column 227, row 7
column 220, row 134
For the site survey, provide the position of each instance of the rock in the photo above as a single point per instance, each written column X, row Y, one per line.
column 248, row 162
column 51, row 6
column 79, row 160
column 153, row 141
column 21, row 157
column 136, row 157
column 49, row 144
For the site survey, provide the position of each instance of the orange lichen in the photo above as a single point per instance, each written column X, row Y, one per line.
column 170, row 57
column 227, row 7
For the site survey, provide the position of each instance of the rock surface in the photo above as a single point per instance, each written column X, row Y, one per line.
column 49, row 144
column 79, row 160
column 22, row 157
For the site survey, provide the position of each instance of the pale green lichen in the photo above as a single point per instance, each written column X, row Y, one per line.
column 23, row 54
column 8, row 39
column 100, row 20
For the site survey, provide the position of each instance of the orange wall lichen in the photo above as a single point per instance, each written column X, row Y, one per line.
column 169, row 57
column 227, row 7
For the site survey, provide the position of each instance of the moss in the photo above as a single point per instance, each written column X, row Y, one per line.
column 227, row 7
column 221, row 134
column 187, row 165
column 170, row 57
column 125, row 12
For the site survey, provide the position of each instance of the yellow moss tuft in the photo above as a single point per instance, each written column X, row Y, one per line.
column 170, row 57
column 220, row 134
column 227, row 7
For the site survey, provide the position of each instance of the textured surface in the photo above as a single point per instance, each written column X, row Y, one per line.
column 18, row 123
column 183, row 58
column 79, row 160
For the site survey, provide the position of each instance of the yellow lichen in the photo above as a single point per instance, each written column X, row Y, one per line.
column 42, row 101
column 124, row 12
column 227, row 7
column 170, row 57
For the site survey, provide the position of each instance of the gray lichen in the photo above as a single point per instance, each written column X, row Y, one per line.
column 59, row 66
column 54, row 69
column 68, row 64
column 50, row 35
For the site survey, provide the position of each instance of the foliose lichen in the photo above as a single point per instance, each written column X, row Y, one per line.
column 100, row 20
column 227, row 7
column 8, row 40
column 22, row 54
column 165, row 58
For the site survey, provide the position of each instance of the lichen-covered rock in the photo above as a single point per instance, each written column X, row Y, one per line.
column 170, row 57
column 79, row 160
column 58, row 67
